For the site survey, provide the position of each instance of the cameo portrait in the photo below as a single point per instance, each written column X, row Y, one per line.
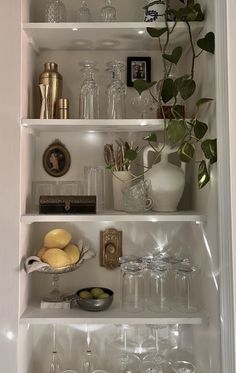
column 56, row 159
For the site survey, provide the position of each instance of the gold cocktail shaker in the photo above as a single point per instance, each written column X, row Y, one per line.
column 53, row 79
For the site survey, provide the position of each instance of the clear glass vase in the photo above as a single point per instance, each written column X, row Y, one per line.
column 55, row 11
column 108, row 12
column 116, row 91
column 84, row 14
column 89, row 93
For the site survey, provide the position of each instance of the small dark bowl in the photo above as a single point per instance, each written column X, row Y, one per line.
column 94, row 304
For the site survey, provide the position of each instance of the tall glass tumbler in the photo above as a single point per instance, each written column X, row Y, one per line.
column 185, row 274
column 158, row 300
column 108, row 12
column 94, row 184
column 89, row 92
column 132, row 287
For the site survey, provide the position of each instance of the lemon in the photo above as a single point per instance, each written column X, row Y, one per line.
column 73, row 252
column 59, row 238
column 56, row 258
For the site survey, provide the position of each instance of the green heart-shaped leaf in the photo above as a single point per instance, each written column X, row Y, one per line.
column 142, row 85
column 151, row 137
column 186, row 152
column 176, row 130
column 200, row 129
column 199, row 13
column 178, row 111
column 209, row 148
column 186, row 86
column 175, row 56
column 168, row 90
column 207, row 43
column 203, row 175
column 156, row 32
column 130, row 155
column 203, row 101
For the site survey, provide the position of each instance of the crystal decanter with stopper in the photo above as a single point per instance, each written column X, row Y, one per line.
column 89, row 93
column 108, row 12
column 55, row 11
column 116, row 91
column 84, row 14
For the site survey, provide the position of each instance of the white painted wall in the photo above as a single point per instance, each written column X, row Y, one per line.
column 231, row 28
column 9, row 185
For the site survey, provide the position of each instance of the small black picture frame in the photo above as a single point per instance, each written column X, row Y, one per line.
column 56, row 159
column 138, row 68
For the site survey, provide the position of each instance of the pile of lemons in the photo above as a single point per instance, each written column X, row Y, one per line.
column 57, row 251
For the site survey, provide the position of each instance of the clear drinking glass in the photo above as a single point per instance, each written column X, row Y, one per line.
column 158, row 299
column 144, row 105
column 132, row 286
column 116, row 91
column 135, row 197
column 84, row 14
column 108, row 12
column 55, row 11
column 94, row 184
column 72, row 188
column 89, row 93
column 185, row 273
column 41, row 188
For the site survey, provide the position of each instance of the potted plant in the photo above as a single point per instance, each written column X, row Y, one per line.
column 186, row 134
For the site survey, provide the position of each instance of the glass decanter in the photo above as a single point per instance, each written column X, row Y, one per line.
column 84, row 14
column 89, row 93
column 108, row 12
column 55, row 11
column 116, row 91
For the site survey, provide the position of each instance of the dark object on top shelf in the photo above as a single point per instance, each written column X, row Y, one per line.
column 138, row 68
column 67, row 205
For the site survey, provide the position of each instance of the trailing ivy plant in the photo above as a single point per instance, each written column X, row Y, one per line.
column 186, row 134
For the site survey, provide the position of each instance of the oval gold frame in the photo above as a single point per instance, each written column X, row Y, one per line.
column 56, row 159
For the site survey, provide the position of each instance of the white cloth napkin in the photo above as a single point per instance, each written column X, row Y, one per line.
column 34, row 263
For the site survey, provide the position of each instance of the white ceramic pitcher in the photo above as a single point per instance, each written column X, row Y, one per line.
column 167, row 180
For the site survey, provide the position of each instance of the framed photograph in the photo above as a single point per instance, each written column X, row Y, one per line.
column 56, row 159
column 138, row 68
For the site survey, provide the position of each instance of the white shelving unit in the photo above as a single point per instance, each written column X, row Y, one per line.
column 130, row 36
column 115, row 216
column 95, row 125
column 113, row 315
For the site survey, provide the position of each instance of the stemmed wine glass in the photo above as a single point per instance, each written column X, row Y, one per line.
column 183, row 367
column 126, row 362
column 154, row 362
column 89, row 361
column 55, row 360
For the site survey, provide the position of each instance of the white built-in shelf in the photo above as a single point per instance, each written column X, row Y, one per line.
column 181, row 216
column 113, row 315
column 96, row 125
column 102, row 36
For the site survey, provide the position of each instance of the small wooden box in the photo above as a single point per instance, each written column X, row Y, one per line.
column 67, row 205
